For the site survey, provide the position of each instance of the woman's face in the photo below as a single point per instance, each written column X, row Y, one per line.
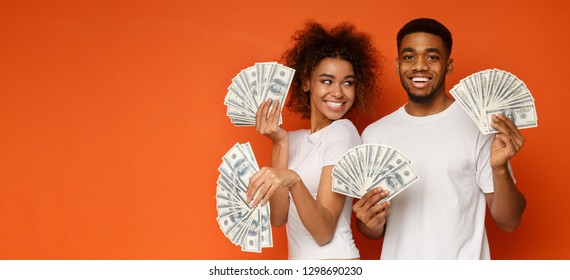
column 332, row 89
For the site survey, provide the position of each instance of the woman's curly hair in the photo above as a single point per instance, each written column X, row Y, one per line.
column 314, row 43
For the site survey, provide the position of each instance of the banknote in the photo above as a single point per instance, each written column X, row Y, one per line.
column 398, row 179
column 254, row 85
column 368, row 166
column 493, row 91
column 522, row 116
column 245, row 226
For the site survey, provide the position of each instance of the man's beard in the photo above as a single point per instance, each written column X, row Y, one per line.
column 422, row 99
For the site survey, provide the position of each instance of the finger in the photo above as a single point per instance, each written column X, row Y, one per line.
column 514, row 130
column 261, row 115
column 511, row 146
column 380, row 217
column 371, row 193
column 260, row 195
column 263, row 107
column 507, row 121
column 367, row 208
column 376, row 215
column 358, row 205
column 378, row 208
column 505, row 125
column 254, row 184
column 499, row 124
column 265, row 186
column 268, row 194
column 375, row 198
column 273, row 116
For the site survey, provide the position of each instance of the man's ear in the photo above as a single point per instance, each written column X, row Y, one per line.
column 450, row 65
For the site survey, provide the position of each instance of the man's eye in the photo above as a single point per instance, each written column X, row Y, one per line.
column 433, row 57
column 408, row 57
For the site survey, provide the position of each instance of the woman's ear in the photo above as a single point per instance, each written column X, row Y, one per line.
column 306, row 86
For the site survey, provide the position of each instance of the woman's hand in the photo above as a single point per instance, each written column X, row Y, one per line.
column 266, row 181
column 267, row 121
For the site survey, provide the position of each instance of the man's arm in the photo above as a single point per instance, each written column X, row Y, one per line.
column 507, row 203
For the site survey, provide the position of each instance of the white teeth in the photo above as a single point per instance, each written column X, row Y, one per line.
column 334, row 104
column 419, row 79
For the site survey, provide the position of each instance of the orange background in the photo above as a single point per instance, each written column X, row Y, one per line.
column 112, row 123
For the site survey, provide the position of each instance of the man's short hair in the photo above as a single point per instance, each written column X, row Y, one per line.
column 426, row 25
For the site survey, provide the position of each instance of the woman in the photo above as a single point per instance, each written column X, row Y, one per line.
column 336, row 73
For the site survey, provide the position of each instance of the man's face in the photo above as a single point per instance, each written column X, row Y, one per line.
column 422, row 64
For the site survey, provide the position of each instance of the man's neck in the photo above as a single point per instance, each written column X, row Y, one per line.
column 437, row 105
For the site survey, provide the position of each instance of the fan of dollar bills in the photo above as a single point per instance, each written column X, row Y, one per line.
column 371, row 165
column 244, row 225
column 492, row 91
column 252, row 86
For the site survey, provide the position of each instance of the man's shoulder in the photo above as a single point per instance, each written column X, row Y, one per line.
column 385, row 120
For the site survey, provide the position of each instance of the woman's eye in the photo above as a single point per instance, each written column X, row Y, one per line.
column 349, row 83
column 326, row 82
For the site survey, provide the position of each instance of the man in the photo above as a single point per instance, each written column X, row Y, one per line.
column 442, row 216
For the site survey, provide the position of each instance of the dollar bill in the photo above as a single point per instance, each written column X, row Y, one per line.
column 368, row 166
column 242, row 224
column 522, row 117
column 252, row 233
column 492, row 91
column 254, row 85
column 249, row 77
column 266, row 231
column 278, row 83
column 397, row 180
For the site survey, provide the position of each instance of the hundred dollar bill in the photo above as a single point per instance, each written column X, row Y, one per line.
column 237, row 89
column 239, row 164
column 229, row 222
column 249, row 77
column 278, row 83
column 266, row 231
column 254, row 85
column 252, row 234
column 398, row 180
column 237, row 232
column 248, row 152
column 244, row 225
column 394, row 160
column 340, row 185
column 461, row 95
column 489, row 91
column 228, row 188
column 264, row 70
column 370, row 165
column 240, row 115
column 237, row 101
column 522, row 117
column 347, row 171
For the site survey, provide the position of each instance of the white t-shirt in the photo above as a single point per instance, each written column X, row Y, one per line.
column 441, row 216
column 308, row 154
